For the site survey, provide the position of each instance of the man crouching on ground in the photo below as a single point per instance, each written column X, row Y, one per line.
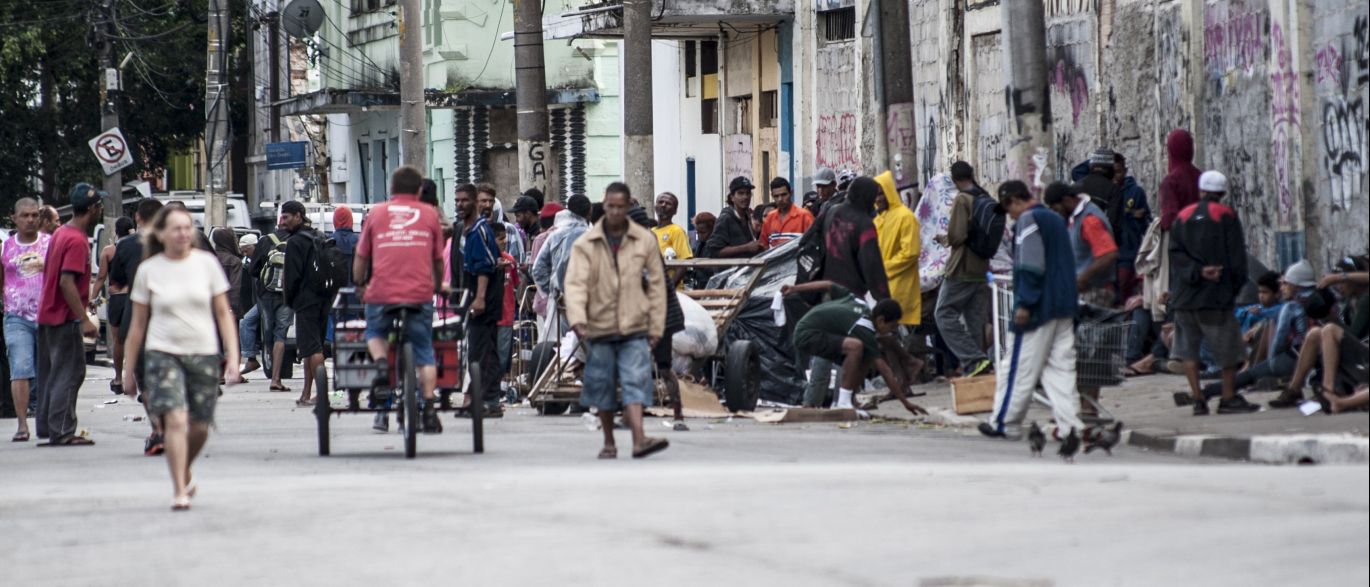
column 616, row 301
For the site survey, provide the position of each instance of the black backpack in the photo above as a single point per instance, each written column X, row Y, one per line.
column 986, row 226
column 329, row 269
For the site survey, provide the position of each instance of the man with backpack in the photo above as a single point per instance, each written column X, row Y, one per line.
column 268, row 263
column 315, row 268
column 974, row 233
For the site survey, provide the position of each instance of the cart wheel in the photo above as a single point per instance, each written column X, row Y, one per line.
column 742, row 376
column 322, row 410
column 477, row 410
column 412, row 421
column 543, row 354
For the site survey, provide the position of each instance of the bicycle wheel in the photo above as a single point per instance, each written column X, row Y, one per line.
column 477, row 410
column 410, row 390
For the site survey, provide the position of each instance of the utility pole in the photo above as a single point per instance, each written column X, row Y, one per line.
column 413, row 120
column 637, row 100
column 1030, row 143
column 216, row 116
column 531, row 93
column 111, row 84
column 896, row 64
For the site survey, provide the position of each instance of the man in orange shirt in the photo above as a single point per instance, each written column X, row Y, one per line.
column 786, row 222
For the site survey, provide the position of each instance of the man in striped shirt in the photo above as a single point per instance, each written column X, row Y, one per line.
column 786, row 222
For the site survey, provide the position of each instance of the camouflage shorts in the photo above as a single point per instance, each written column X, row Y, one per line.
column 179, row 382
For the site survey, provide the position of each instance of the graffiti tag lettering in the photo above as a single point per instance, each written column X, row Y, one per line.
column 1344, row 142
column 1233, row 42
column 837, row 147
column 1284, row 120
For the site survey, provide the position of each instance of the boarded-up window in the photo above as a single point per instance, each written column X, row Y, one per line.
column 708, row 116
column 770, row 109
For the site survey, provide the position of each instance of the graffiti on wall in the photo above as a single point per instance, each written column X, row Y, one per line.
column 899, row 138
column 1284, row 121
column 837, row 148
column 989, row 109
column 1347, row 74
column 1172, row 64
column 1234, row 40
column 927, row 152
column 1070, row 80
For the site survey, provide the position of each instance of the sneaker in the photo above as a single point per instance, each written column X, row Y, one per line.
column 1287, row 400
column 1200, row 408
column 431, row 424
column 381, row 423
column 1237, row 405
column 990, row 431
column 153, row 446
column 1182, row 399
column 979, row 368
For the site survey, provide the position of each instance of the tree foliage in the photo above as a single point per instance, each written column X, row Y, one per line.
column 44, row 134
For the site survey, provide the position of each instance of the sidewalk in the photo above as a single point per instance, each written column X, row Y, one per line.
column 1152, row 421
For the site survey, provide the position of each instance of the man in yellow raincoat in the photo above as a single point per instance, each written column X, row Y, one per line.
column 900, row 245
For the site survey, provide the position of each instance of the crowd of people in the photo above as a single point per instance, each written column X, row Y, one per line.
column 177, row 297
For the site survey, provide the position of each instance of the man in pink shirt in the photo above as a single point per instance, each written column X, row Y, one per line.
column 399, row 261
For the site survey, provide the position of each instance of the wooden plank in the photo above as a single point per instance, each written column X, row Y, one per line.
column 716, row 303
column 714, row 293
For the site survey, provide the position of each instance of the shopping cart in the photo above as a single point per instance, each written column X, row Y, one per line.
column 1100, row 344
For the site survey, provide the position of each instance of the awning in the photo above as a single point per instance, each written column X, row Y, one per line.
column 341, row 101
column 676, row 19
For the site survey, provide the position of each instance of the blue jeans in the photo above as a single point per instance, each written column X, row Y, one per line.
column 248, row 331
column 505, row 340
column 629, row 361
column 21, row 343
column 418, row 330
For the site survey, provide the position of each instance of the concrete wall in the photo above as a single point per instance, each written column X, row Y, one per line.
column 1274, row 90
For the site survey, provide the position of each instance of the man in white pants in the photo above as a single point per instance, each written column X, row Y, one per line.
column 1041, row 346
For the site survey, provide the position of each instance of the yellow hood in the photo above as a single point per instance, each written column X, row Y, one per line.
column 886, row 181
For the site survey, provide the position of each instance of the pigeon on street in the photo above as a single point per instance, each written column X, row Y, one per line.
column 1106, row 439
column 1069, row 447
column 1036, row 440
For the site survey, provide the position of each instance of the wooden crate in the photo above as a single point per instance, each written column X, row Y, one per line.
column 972, row 395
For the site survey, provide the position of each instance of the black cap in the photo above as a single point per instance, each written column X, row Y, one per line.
column 740, row 183
column 638, row 214
column 292, row 207
column 525, row 204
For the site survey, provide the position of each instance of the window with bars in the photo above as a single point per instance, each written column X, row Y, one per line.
column 363, row 6
column 837, row 25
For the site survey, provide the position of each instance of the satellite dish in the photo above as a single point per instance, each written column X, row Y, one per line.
column 302, row 18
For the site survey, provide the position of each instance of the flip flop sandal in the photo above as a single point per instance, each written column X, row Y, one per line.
column 71, row 441
column 20, row 437
column 654, row 445
column 180, row 504
column 609, row 454
column 280, row 388
column 300, row 403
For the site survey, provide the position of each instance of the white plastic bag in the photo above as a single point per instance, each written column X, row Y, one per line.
column 700, row 337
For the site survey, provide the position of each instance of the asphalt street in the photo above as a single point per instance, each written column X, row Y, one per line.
column 731, row 502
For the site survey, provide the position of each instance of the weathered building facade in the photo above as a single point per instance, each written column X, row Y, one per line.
column 1273, row 90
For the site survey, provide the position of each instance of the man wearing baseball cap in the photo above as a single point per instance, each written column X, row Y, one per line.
column 733, row 236
column 1207, row 270
column 63, row 322
column 825, row 184
column 525, row 213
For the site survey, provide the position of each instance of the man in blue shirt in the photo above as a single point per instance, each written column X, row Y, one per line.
column 1041, row 348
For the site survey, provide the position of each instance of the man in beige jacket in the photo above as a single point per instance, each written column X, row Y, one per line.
column 616, row 302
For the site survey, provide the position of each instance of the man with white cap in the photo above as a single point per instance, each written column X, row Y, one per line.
column 1207, row 270
column 825, row 184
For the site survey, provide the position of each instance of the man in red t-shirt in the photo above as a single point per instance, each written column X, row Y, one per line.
column 786, row 222
column 62, row 320
column 399, row 261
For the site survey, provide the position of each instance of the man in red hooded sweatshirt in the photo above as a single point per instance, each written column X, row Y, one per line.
column 1179, row 190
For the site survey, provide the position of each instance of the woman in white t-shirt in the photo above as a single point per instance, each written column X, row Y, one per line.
column 178, row 296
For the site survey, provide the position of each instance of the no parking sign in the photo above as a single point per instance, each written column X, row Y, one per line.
column 112, row 151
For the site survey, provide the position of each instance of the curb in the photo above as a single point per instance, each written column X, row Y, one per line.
column 1327, row 449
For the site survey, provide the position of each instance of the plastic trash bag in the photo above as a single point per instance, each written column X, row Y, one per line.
column 700, row 337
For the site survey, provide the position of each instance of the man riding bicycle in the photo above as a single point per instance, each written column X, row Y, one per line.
column 399, row 262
